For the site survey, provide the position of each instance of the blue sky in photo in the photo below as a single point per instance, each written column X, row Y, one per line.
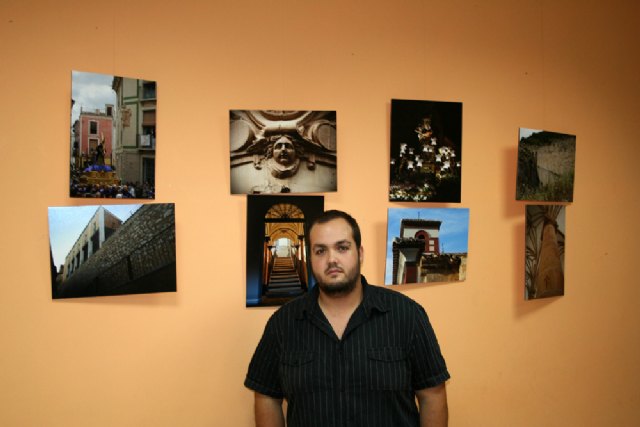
column 66, row 224
column 454, row 230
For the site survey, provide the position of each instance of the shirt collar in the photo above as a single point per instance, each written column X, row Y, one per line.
column 370, row 301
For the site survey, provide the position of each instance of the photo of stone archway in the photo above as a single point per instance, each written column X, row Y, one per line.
column 544, row 251
column 276, row 151
column 426, row 245
column 546, row 166
column 278, row 263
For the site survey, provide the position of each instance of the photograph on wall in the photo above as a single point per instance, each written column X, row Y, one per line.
column 103, row 250
column 546, row 166
column 113, row 137
column 426, row 151
column 278, row 261
column 426, row 245
column 544, row 251
column 282, row 151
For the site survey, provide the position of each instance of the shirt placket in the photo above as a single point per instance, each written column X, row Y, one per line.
column 339, row 360
column 342, row 359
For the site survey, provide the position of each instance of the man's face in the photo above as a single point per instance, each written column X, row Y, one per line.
column 335, row 259
column 284, row 152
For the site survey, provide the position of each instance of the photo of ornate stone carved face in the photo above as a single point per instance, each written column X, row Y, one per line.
column 283, row 157
column 274, row 151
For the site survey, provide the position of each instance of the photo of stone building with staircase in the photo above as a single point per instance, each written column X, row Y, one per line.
column 278, row 264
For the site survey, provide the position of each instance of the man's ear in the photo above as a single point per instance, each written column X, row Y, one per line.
column 361, row 254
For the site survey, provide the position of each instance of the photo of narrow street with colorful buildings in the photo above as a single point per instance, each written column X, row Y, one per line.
column 113, row 137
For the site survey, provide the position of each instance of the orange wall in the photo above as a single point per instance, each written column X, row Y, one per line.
column 180, row 359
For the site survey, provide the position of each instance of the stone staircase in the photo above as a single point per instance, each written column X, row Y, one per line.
column 284, row 280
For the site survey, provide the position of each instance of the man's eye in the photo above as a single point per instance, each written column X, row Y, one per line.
column 319, row 251
column 343, row 248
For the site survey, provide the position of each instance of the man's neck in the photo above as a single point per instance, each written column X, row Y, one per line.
column 339, row 308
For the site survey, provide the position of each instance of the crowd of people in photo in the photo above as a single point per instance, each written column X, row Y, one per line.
column 113, row 191
column 124, row 190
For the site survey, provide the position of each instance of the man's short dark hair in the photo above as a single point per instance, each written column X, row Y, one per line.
column 330, row 215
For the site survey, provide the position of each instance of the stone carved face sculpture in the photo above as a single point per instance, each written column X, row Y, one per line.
column 284, row 151
column 283, row 157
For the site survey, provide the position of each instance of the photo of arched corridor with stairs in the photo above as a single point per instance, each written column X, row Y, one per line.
column 286, row 266
column 279, row 225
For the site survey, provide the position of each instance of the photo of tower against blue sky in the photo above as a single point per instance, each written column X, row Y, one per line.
column 449, row 232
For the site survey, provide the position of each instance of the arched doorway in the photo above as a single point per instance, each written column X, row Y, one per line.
column 284, row 270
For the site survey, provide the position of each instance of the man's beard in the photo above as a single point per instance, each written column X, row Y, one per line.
column 343, row 287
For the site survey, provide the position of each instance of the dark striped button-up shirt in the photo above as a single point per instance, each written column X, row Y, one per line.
column 367, row 378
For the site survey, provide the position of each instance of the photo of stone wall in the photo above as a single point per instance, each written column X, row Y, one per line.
column 112, row 250
column 273, row 151
column 546, row 166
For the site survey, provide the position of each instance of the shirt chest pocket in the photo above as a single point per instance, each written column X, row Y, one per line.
column 388, row 369
column 298, row 371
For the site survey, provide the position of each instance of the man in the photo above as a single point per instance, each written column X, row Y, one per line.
column 347, row 354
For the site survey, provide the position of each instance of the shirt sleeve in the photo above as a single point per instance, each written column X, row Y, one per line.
column 427, row 363
column 263, row 374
